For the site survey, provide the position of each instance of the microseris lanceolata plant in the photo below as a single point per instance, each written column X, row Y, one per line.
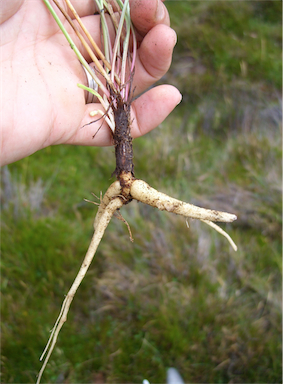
column 115, row 63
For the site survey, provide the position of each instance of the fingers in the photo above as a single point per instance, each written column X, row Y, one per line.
column 148, row 111
column 146, row 14
column 151, row 19
column 154, row 57
column 155, row 52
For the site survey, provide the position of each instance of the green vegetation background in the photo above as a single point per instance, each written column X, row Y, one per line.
column 177, row 296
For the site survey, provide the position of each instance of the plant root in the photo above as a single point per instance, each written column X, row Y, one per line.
column 143, row 192
column 105, row 215
column 115, row 197
column 113, row 191
column 222, row 232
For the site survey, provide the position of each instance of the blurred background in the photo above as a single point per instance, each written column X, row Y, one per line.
column 176, row 297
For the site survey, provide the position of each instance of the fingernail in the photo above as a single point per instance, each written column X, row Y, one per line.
column 160, row 11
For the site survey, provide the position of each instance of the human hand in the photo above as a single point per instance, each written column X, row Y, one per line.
column 41, row 104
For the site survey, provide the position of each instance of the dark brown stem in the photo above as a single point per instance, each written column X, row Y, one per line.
column 123, row 144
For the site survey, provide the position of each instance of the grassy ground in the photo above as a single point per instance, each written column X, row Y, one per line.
column 176, row 296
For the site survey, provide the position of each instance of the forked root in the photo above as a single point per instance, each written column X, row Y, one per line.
column 115, row 198
column 105, row 216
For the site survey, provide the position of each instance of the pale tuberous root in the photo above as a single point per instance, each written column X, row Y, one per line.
column 113, row 200
column 141, row 191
